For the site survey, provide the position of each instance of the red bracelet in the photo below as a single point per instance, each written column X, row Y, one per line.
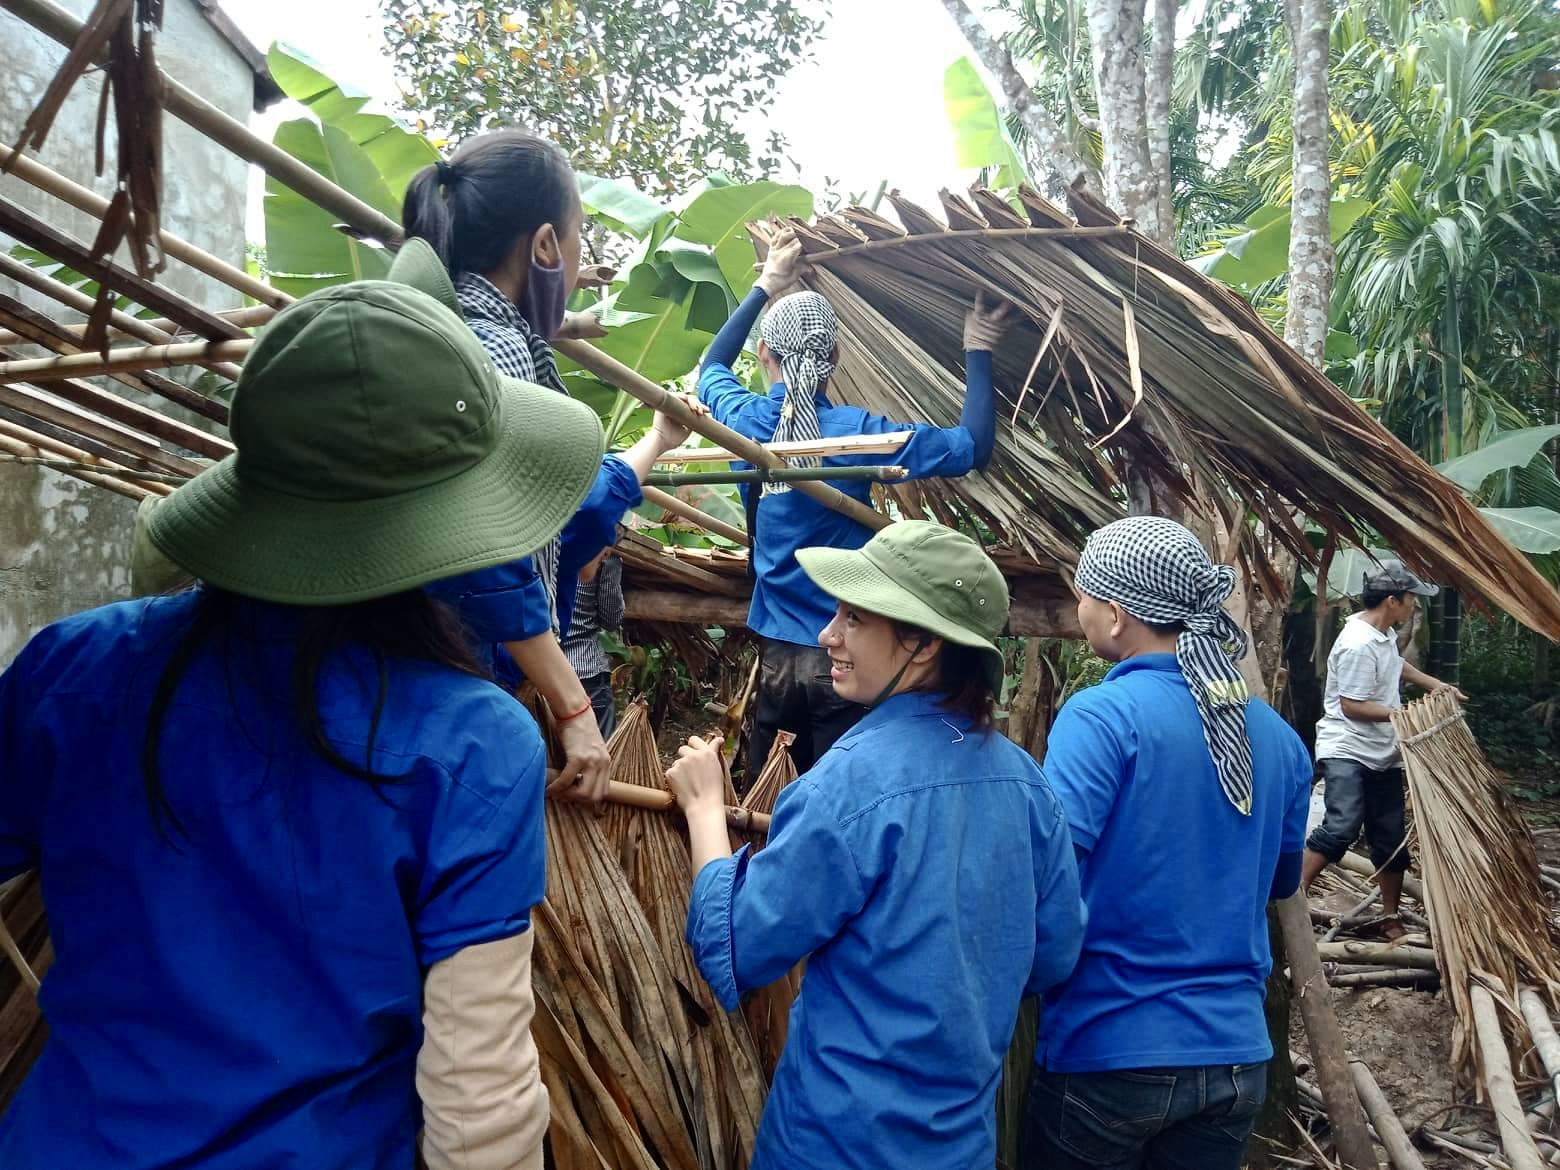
column 573, row 714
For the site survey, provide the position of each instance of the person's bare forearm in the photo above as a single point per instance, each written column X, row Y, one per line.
column 708, row 839
column 544, row 665
column 642, row 455
column 1416, row 677
column 1367, row 712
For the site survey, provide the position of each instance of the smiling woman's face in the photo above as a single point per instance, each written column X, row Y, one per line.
column 864, row 654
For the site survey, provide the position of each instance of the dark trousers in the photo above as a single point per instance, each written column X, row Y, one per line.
column 602, row 701
column 1360, row 797
column 1142, row 1119
column 795, row 695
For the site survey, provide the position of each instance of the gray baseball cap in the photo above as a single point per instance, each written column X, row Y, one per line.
column 1393, row 577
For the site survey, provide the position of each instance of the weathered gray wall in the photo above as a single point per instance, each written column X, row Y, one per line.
column 65, row 544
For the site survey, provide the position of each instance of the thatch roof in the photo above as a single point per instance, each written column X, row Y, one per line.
column 1130, row 358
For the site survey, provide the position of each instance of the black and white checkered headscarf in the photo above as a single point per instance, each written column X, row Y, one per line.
column 1158, row 571
column 800, row 331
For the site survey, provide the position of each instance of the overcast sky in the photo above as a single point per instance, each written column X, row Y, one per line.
column 868, row 108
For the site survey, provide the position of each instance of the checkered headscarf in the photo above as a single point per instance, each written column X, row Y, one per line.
column 800, row 330
column 1158, row 571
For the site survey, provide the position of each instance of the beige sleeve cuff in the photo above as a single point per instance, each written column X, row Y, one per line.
column 484, row 1107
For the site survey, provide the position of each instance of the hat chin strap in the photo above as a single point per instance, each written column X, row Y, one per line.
column 894, row 682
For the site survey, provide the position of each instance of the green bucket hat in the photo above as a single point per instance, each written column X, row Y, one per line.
column 924, row 574
column 418, row 266
column 378, row 450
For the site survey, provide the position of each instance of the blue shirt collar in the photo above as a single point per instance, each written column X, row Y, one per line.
column 1165, row 662
column 909, row 705
column 820, row 396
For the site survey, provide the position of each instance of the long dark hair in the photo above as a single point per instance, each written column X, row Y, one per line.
column 495, row 190
column 408, row 625
column 961, row 677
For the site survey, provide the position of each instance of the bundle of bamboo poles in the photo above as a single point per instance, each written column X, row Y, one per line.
column 1488, row 914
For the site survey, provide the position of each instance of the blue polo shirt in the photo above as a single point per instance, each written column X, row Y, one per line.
column 510, row 602
column 786, row 605
column 1176, row 880
column 250, row 996
column 925, row 872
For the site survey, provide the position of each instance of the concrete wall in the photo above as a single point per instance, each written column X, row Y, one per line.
column 65, row 544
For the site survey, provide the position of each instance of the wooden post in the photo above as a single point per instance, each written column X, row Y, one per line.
column 1495, row 1064
column 635, row 384
column 1400, row 1151
column 194, row 110
column 1382, row 954
column 845, row 445
column 1354, row 863
column 1326, row 1037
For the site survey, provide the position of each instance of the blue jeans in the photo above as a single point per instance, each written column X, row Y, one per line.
column 1142, row 1119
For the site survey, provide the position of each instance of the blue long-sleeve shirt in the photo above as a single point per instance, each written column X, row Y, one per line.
column 1169, row 975
column 786, row 605
column 925, row 872
column 511, row 602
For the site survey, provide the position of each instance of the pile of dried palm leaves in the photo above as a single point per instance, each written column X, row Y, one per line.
column 643, row 1067
column 1128, row 359
column 1495, row 937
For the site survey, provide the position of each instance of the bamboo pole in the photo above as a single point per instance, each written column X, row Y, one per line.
column 703, row 519
column 1400, row 1151
column 1536, row 1012
column 1325, row 1036
column 1495, row 1063
column 250, row 318
column 76, row 299
column 122, row 361
column 197, row 112
column 821, row 448
column 30, row 170
column 1382, row 954
column 791, row 475
column 660, row 800
column 1354, row 863
column 12, row 444
column 1387, row 977
column 636, row 385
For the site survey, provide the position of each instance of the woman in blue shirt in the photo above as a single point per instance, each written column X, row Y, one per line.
column 494, row 233
column 922, row 868
column 288, row 833
column 798, row 352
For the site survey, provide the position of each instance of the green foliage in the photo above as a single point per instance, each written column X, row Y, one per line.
column 1501, row 453
column 367, row 153
column 981, row 138
column 1260, row 254
column 632, row 89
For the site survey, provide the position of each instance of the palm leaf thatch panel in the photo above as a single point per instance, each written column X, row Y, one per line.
column 1128, row 357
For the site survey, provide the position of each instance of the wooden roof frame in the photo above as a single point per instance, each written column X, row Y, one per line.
column 96, row 434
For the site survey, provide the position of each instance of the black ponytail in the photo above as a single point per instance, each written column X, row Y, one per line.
column 495, row 190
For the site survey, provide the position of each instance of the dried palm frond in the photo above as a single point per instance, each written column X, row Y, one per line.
column 1487, row 909
column 768, row 1010
column 725, row 1073
column 1127, row 357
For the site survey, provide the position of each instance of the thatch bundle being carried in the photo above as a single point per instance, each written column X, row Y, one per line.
column 1487, row 909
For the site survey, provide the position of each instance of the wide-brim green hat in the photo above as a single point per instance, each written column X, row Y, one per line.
column 378, row 450
column 925, row 575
